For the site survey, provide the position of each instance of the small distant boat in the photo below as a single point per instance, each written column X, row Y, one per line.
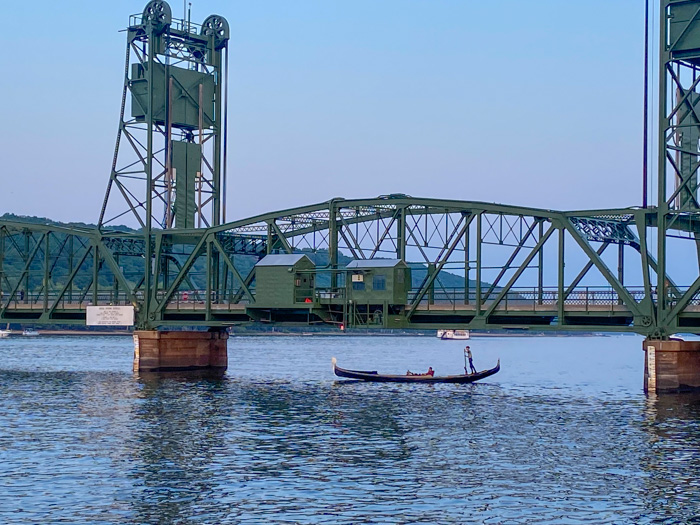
column 453, row 334
column 30, row 332
column 5, row 333
column 366, row 375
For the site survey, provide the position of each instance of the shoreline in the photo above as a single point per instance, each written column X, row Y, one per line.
column 18, row 333
column 123, row 333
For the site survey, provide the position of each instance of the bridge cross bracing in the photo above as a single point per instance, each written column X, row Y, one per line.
column 474, row 265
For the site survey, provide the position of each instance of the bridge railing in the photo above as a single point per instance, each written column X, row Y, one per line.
column 195, row 298
column 78, row 300
column 527, row 298
column 585, row 298
column 75, row 300
column 674, row 295
column 330, row 293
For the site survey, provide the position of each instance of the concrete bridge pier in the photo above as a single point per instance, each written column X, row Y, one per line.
column 671, row 366
column 161, row 351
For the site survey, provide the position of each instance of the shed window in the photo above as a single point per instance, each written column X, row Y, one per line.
column 379, row 282
column 358, row 285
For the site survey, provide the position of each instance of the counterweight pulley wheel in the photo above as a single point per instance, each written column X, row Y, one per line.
column 157, row 13
column 216, row 26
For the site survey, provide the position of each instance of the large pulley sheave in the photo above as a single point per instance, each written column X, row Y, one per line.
column 157, row 14
column 216, row 26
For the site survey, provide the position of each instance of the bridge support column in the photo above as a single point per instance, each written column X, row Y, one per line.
column 671, row 366
column 159, row 351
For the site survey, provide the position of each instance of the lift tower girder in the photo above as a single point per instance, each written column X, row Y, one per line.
column 678, row 211
column 169, row 168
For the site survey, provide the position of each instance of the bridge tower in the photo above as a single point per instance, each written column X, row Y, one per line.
column 677, row 217
column 169, row 169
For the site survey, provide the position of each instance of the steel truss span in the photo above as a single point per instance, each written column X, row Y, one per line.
column 473, row 265
column 445, row 263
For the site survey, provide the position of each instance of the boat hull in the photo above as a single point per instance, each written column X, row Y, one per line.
column 453, row 335
column 367, row 375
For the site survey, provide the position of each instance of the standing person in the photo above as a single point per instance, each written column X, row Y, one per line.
column 468, row 353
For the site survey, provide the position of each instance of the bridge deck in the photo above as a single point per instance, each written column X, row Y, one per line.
column 604, row 314
column 444, row 307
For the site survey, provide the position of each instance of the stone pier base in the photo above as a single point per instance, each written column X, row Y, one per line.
column 156, row 351
column 671, row 366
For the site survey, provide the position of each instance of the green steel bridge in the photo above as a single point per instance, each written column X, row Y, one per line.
column 475, row 265
column 511, row 261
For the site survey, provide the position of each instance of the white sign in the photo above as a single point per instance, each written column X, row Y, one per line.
column 110, row 316
column 358, row 278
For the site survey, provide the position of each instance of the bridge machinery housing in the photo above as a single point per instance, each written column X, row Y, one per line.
column 393, row 261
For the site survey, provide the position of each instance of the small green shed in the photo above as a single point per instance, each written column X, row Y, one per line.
column 284, row 280
column 375, row 281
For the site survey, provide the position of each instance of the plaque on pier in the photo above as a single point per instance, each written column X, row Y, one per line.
column 110, row 316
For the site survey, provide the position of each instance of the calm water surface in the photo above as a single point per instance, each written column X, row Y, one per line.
column 563, row 434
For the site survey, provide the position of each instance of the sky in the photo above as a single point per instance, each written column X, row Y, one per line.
column 528, row 103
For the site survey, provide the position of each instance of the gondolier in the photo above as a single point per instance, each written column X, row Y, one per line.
column 468, row 355
column 373, row 375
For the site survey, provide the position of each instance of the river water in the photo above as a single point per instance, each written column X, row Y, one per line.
column 563, row 434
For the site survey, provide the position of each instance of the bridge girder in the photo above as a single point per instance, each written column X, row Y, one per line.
column 520, row 258
column 505, row 257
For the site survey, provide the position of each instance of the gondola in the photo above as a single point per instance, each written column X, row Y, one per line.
column 365, row 375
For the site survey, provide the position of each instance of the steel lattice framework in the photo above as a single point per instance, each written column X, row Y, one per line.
column 475, row 265
column 480, row 265
column 174, row 85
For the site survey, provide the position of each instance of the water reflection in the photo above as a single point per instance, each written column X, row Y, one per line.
column 178, row 438
column 287, row 443
column 671, row 462
column 60, row 440
column 154, row 379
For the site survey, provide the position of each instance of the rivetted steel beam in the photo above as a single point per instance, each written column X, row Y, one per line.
column 518, row 273
column 603, row 268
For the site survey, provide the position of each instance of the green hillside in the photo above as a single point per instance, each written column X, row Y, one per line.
column 133, row 267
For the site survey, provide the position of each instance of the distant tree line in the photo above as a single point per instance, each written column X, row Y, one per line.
column 133, row 267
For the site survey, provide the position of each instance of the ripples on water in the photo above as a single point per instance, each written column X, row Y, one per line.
column 564, row 434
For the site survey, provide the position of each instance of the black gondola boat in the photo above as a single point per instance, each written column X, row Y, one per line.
column 366, row 375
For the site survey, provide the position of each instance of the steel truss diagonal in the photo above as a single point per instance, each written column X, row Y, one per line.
column 458, row 264
column 475, row 265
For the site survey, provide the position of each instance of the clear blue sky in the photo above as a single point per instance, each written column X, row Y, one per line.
column 533, row 103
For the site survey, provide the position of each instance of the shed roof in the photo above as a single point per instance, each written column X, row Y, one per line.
column 375, row 263
column 282, row 259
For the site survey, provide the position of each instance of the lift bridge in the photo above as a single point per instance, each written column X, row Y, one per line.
column 392, row 261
